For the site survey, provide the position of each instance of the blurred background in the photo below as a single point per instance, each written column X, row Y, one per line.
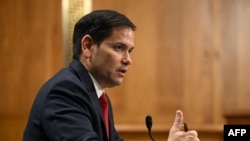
column 190, row 55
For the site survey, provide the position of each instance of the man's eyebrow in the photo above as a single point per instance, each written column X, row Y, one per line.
column 123, row 45
column 119, row 43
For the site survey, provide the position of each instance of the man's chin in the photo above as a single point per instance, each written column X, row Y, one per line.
column 119, row 82
column 116, row 83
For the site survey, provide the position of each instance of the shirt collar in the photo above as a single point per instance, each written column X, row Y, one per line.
column 98, row 89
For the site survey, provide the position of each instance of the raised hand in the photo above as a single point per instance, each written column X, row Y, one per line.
column 176, row 134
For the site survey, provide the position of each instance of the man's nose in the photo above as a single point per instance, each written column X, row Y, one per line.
column 127, row 59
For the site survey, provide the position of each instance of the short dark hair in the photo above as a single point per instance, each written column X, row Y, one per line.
column 98, row 24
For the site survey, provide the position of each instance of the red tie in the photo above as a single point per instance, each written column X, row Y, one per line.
column 104, row 104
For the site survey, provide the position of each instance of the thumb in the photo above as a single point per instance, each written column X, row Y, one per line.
column 177, row 122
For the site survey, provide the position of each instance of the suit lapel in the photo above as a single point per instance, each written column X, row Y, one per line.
column 88, row 85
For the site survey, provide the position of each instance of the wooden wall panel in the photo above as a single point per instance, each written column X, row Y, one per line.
column 234, row 45
column 30, row 52
column 243, row 50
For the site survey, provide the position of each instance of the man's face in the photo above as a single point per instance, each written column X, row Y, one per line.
column 109, row 62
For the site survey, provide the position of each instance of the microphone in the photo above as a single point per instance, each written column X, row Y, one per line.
column 149, row 123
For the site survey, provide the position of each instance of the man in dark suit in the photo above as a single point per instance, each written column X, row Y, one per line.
column 68, row 107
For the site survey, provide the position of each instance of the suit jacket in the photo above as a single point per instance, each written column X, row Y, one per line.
column 67, row 108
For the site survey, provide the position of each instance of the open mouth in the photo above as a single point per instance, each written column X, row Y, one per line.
column 122, row 72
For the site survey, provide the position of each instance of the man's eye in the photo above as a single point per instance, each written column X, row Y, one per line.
column 118, row 48
column 131, row 50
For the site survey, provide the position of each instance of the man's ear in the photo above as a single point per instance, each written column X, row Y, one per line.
column 86, row 44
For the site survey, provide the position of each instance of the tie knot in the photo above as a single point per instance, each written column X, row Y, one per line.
column 103, row 99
